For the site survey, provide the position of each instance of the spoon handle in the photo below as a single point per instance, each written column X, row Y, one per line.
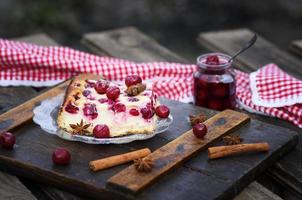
column 248, row 45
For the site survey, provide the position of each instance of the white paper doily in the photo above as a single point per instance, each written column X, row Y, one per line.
column 46, row 113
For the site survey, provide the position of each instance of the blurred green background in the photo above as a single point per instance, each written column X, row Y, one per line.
column 174, row 23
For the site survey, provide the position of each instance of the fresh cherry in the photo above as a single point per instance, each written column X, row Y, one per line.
column 147, row 113
column 134, row 112
column 113, row 92
column 119, row 107
column 133, row 80
column 7, row 140
column 61, row 156
column 162, row 111
column 71, row 108
column 200, row 130
column 101, row 86
column 101, row 131
column 212, row 60
column 90, row 110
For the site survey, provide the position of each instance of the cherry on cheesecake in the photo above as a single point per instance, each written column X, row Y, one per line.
column 90, row 110
column 113, row 92
column 101, row 131
column 71, row 108
column 61, row 156
column 101, row 86
column 7, row 140
column 132, row 80
column 147, row 112
column 134, row 112
column 200, row 130
column 162, row 111
column 119, row 107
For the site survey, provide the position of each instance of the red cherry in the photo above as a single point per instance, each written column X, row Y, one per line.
column 90, row 110
column 61, row 156
column 133, row 80
column 7, row 140
column 101, row 131
column 119, row 107
column 215, row 104
column 101, row 86
column 113, row 92
column 103, row 100
column 147, row 112
column 134, row 112
column 71, row 108
column 200, row 130
column 212, row 60
column 162, row 111
column 86, row 93
column 220, row 89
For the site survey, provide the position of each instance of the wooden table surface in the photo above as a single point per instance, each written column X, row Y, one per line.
column 132, row 44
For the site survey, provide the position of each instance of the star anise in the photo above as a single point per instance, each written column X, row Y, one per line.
column 232, row 139
column 195, row 119
column 134, row 90
column 79, row 128
column 143, row 164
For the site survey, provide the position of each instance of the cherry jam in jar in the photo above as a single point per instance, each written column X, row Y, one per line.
column 214, row 82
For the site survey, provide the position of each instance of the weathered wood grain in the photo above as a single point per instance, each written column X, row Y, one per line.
column 177, row 151
column 175, row 111
column 296, row 47
column 12, row 188
column 128, row 41
column 11, row 119
column 256, row 192
column 39, row 39
column 263, row 51
column 288, row 170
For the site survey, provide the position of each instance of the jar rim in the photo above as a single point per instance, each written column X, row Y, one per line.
column 214, row 67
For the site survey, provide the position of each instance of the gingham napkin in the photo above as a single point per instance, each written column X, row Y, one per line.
column 272, row 87
column 32, row 65
column 292, row 113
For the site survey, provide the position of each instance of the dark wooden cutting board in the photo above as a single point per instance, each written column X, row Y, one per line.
column 199, row 178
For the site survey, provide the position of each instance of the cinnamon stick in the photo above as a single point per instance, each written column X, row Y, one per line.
column 108, row 162
column 223, row 151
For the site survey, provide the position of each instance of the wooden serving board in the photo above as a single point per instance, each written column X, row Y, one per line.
column 177, row 151
column 199, row 177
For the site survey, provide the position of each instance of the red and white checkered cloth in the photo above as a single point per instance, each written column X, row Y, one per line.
column 271, row 87
column 32, row 65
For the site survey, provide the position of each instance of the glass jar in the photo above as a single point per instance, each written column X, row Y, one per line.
column 214, row 82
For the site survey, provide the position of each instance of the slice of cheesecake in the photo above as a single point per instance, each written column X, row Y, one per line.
column 89, row 103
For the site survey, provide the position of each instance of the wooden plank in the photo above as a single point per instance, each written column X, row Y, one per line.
column 296, row 47
column 177, row 151
column 128, row 41
column 12, row 188
column 263, row 52
column 287, row 170
column 256, row 192
column 39, row 38
column 106, row 48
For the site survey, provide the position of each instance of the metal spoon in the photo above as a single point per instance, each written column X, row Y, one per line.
column 247, row 45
